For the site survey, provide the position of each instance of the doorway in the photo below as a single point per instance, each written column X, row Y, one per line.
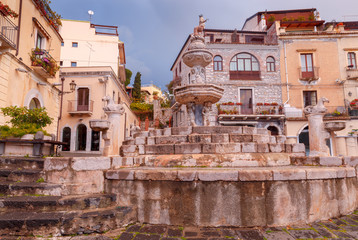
column 66, row 137
column 246, row 100
column 81, row 137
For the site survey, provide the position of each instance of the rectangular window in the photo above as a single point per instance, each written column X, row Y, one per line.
column 62, row 44
column 82, row 99
column 61, row 63
column 74, row 44
column 352, row 60
column 309, row 98
column 307, row 65
column 73, row 64
column 39, row 41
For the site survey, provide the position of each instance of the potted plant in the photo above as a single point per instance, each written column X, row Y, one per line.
column 239, row 103
column 259, row 104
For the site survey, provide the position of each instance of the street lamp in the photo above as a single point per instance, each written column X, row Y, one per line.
column 72, row 88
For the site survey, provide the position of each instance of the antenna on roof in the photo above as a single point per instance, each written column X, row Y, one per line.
column 90, row 13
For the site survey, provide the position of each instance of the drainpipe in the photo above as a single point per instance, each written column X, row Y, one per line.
column 60, row 115
column 18, row 29
column 286, row 74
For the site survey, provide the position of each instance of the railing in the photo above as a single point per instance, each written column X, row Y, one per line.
column 53, row 18
column 8, row 31
column 41, row 58
column 75, row 106
column 245, row 75
column 332, row 111
column 352, row 73
column 250, row 109
column 309, row 73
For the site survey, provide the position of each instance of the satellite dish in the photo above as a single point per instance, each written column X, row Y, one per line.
column 90, row 12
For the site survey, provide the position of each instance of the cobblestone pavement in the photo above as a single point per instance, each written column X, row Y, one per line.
column 343, row 228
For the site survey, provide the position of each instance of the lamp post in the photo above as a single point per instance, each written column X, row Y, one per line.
column 72, row 88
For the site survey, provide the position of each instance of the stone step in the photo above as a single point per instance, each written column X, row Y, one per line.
column 21, row 163
column 25, row 175
column 11, row 188
column 64, row 223
column 58, row 203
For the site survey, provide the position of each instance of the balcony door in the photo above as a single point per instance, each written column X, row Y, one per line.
column 246, row 100
column 83, row 99
column 307, row 65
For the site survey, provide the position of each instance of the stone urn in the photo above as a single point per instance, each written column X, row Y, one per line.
column 99, row 125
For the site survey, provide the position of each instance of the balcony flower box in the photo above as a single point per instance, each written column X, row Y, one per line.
column 7, row 11
column 354, row 104
column 239, row 104
column 259, row 104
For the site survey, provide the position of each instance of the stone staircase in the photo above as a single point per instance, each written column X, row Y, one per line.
column 31, row 206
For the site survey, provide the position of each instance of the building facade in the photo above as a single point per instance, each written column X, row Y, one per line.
column 30, row 53
column 95, row 61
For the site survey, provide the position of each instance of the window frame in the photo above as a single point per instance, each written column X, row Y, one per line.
column 245, row 70
column 73, row 64
column 218, row 64
column 75, row 44
column 309, row 96
column 352, row 60
column 270, row 66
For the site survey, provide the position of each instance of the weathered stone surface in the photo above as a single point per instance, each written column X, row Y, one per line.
column 218, row 175
column 351, row 160
column 91, row 163
column 262, row 148
column 187, row 175
column 277, row 148
column 141, row 149
column 330, row 161
column 140, row 141
column 248, row 147
column 187, row 148
column 289, row 174
column 321, row 173
column 128, row 148
column 181, row 130
column 261, row 138
column 159, row 149
column 199, row 138
column 171, row 139
column 281, row 139
column 155, row 132
column 273, row 139
column 298, row 148
column 56, row 164
column 217, row 129
column 128, row 142
column 249, row 130
column 221, row 148
column 151, row 141
column 167, row 131
column 122, row 174
column 255, row 175
column 241, row 138
column 152, row 174
column 220, row 138
column 263, row 131
column 141, row 134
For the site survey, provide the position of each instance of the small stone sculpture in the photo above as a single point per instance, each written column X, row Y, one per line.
column 190, row 107
column 319, row 108
column 133, row 129
column 111, row 106
column 206, row 113
column 198, row 31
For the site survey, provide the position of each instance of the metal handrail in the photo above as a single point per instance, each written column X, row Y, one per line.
column 8, row 31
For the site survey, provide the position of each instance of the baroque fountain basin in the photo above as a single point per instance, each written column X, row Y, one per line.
column 334, row 126
column 198, row 93
column 197, row 58
column 99, row 125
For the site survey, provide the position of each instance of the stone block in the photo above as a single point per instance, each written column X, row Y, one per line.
column 155, row 132
column 221, row 148
column 186, row 148
column 321, row 173
column 300, row 161
column 159, row 149
column 298, row 148
column 199, row 138
column 288, row 174
column 128, row 142
column 249, row 130
column 154, row 174
column 341, row 173
column 56, row 164
column 288, row 148
column 181, row 130
column 128, row 161
column 281, row 139
column 141, row 149
column 217, row 129
column 91, row 163
column 261, row 138
column 351, row 172
column 121, row 174
column 187, row 175
column 218, row 175
column 167, row 131
column 128, row 148
column 263, row 131
column 220, row 138
column 273, row 139
column 277, row 148
column 255, row 175
column 263, row 148
column 330, row 161
column 117, row 162
column 241, row 138
column 151, row 140
column 351, row 161
column 171, row 139
column 141, row 134
column 248, row 147
column 140, row 141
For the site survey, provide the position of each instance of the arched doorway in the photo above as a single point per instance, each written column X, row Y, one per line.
column 34, row 103
column 66, row 137
column 274, row 130
column 81, row 137
column 95, row 140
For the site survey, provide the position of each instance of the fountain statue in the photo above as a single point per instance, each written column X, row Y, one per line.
column 198, row 95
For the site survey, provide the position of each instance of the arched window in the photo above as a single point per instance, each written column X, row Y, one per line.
column 274, row 130
column 218, row 63
column 244, row 66
column 352, row 63
column 81, row 137
column 66, row 137
column 34, row 103
column 270, row 64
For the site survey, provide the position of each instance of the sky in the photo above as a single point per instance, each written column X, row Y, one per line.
column 153, row 31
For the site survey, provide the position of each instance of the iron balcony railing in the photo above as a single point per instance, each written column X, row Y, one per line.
column 309, row 73
column 8, row 31
column 42, row 58
column 75, row 106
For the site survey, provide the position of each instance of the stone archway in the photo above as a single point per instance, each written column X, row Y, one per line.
column 274, row 130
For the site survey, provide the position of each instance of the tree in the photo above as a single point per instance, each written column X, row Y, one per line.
column 128, row 77
column 137, row 86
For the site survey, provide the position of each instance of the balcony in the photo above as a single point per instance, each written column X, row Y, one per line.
column 78, row 108
column 352, row 73
column 8, row 33
column 245, row 75
column 43, row 63
column 333, row 112
column 308, row 74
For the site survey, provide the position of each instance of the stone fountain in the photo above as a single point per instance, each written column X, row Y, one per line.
column 198, row 95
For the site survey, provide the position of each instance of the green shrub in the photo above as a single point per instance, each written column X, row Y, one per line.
column 141, row 106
